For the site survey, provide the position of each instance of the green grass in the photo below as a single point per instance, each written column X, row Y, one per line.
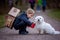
column 55, row 14
column 2, row 21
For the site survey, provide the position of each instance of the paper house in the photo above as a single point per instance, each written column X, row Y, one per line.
column 14, row 12
column 11, row 17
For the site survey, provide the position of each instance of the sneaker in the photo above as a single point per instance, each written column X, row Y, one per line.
column 23, row 32
column 26, row 31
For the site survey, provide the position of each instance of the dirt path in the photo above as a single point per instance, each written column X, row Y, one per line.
column 7, row 34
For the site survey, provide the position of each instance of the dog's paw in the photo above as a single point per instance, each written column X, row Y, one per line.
column 41, row 32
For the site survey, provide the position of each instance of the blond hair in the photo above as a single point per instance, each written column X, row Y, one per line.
column 30, row 10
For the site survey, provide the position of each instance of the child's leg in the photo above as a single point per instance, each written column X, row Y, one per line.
column 21, row 27
column 23, row 30
column 17, row 23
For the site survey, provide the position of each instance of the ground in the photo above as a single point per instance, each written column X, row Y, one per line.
column 8, row 34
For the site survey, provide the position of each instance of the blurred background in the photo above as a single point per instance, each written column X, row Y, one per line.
column 23, row 4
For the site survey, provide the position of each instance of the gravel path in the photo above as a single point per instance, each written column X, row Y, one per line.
column 8, row 34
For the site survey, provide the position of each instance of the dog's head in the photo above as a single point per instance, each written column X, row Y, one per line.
column 39, row 19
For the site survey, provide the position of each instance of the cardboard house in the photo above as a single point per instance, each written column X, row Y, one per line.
column 11, row 17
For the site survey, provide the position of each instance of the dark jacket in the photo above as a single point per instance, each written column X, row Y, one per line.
column 21, row 21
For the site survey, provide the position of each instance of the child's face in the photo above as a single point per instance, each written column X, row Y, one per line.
column 30, row 14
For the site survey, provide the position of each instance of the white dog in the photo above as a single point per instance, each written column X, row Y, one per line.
column 44, row 27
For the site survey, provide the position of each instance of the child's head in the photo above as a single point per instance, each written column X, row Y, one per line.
column 30, row 12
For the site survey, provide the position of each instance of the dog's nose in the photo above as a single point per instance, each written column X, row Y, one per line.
column 38, row 19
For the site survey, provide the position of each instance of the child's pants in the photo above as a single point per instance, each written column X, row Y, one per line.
column 19, row 25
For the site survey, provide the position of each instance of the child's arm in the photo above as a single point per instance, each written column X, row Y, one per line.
column 31, row 24
column 26, row 21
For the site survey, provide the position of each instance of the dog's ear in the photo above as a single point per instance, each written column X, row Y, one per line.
column 36, row 19
column 42, row 19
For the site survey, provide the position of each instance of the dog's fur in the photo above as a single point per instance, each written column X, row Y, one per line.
column 44, row 27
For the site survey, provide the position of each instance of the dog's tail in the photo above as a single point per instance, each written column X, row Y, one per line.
column 57, row 32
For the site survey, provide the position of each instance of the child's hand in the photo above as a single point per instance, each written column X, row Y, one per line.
column 33, row 25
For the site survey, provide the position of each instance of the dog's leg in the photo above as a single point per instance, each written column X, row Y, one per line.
column 41, row 32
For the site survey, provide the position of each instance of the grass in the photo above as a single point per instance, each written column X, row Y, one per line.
column 55, row 14
column 2, row 21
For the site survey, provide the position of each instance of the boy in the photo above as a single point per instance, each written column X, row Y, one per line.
column 21, row 22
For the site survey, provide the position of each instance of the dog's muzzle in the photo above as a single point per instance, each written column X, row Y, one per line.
column 38, row 19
